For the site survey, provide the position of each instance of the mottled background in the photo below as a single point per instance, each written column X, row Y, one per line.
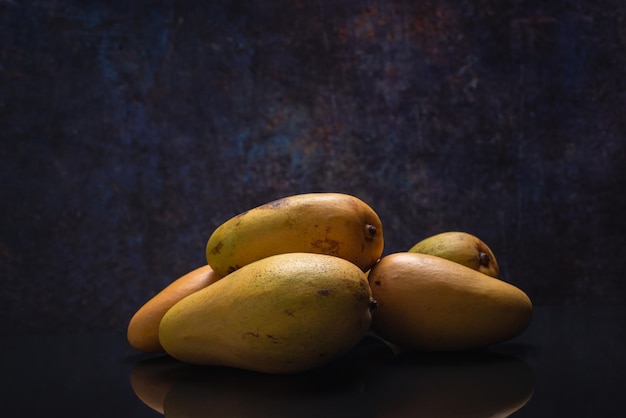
column 131, row 129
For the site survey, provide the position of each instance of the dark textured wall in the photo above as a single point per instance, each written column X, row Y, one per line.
column 130, row 130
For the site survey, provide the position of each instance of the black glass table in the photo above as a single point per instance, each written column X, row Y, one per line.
column 569, row 363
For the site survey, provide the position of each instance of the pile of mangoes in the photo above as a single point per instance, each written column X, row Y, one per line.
column 294, row 284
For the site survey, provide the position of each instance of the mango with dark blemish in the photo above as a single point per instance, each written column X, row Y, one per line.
column 285, row 313
column 335, row 224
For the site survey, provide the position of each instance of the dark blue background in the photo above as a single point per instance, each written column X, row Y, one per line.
column 131, row 129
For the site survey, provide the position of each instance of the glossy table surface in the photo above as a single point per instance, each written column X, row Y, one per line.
column 569, row 363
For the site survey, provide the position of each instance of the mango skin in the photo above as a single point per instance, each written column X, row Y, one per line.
column 143, row 329
column 461, row 247
column 283, row 314
column 431, row 303
column 322, row 223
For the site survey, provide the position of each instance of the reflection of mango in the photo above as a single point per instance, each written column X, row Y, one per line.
column 451, row 385
column 143, row 329
column 369, row 381
column 461, row 247
column 231, row 393
column 207, row 391
column 281, row 314
column 152, row 379
column 323, row 223
column 428, row 302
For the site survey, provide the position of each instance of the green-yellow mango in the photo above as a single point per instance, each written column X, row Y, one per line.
column 286, row 313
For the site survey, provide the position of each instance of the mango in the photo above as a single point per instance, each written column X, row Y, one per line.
column 461, row 247
column 323, row 223
column 431, row 303
column 285, row 313
column 143, row 329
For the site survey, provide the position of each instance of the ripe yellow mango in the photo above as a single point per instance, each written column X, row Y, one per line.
column 286, row 313
column 431, row 303
column 460, row 247
column 143, row 328
column 322, row 223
